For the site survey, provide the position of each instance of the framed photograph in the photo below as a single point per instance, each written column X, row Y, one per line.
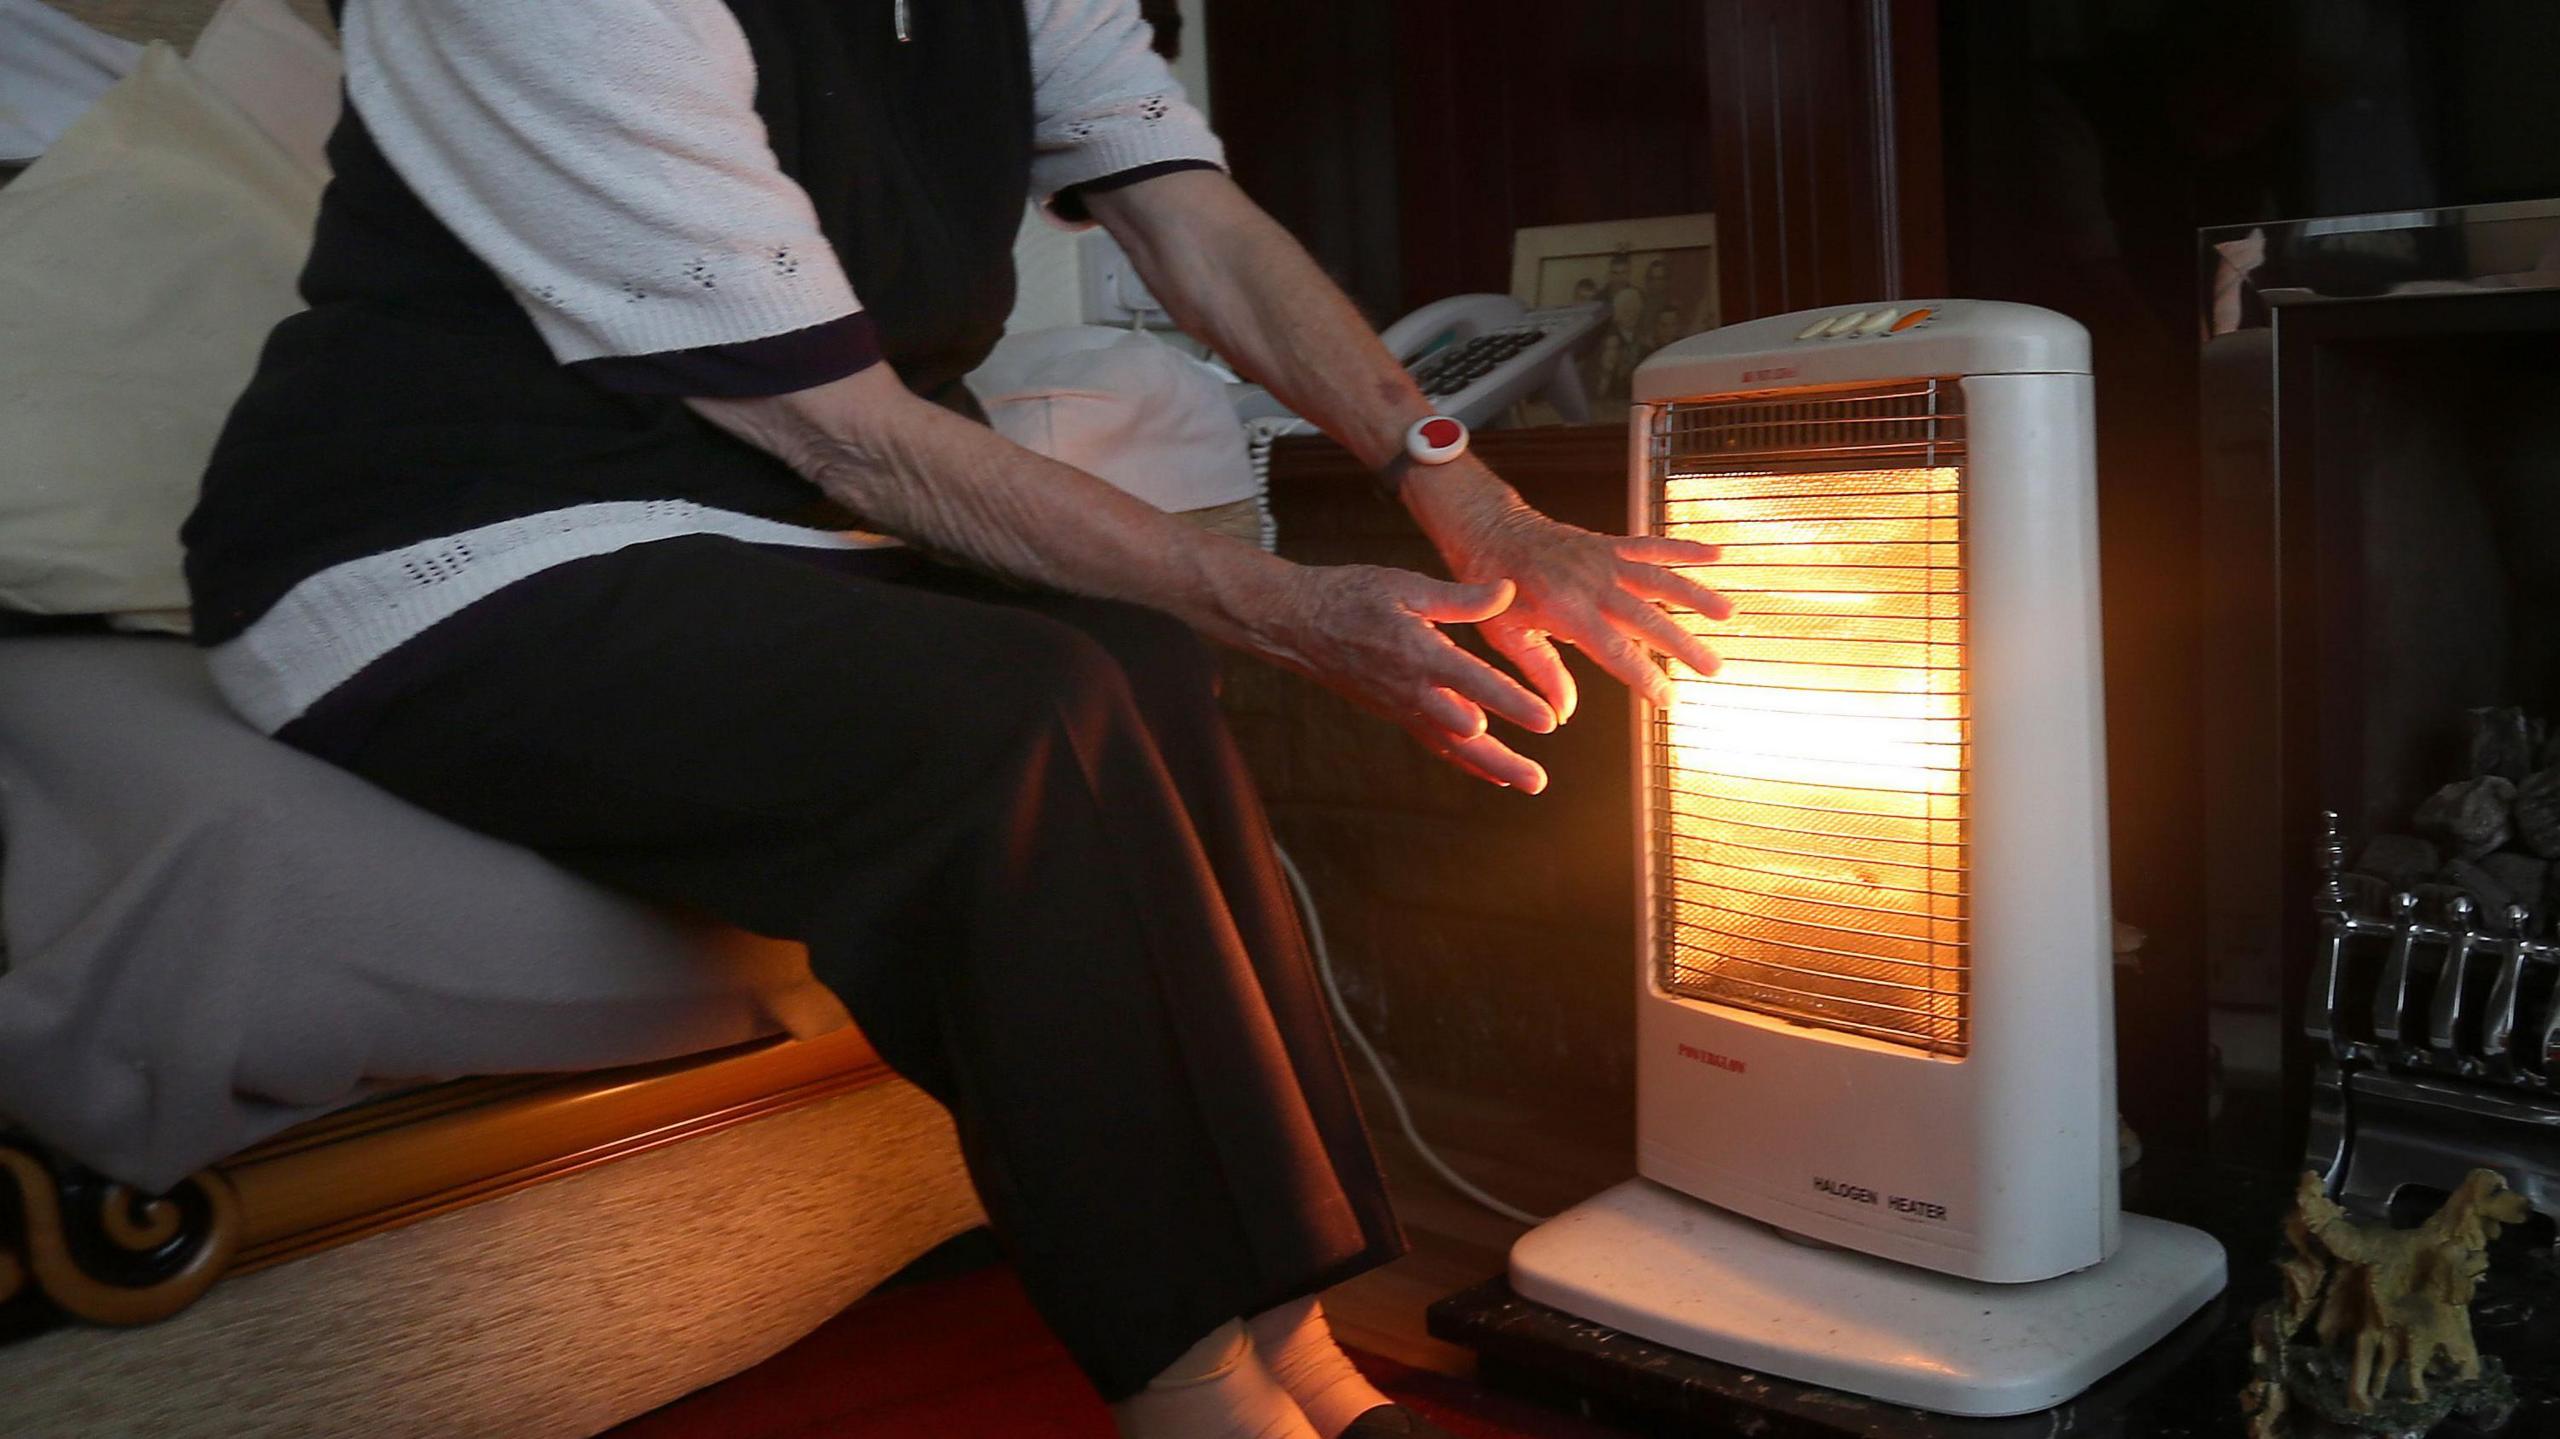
column 1657, row 276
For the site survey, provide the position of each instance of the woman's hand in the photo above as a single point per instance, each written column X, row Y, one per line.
column 1372, row 635
column 1602, row 594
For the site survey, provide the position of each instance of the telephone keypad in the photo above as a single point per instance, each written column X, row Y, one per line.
column 1462, row 364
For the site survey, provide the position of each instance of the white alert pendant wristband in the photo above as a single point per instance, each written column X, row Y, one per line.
column 1431, row 440
column 1435, row 440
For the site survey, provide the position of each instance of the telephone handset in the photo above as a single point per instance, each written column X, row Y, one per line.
column 1476, row 355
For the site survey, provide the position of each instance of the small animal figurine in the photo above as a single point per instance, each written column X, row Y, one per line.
column 2390, row 1310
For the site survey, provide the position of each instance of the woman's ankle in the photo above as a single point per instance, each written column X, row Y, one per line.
column 1217, row 1389
column 1295, row 1343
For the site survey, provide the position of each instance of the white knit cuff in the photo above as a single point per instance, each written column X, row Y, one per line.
column 720, row 297
column 1112, row 148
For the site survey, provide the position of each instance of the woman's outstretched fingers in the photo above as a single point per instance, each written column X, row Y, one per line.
column 1653, row 582
column 1656, row 550
column 1374, row 635
column 1486, row 758
column 1494, row 690
column 1452, row 713
column 1539, row 661
column 1445, row 602
column 1642, row 621
column 1622, row 657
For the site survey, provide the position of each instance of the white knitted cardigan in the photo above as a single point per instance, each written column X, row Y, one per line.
column 590, row 151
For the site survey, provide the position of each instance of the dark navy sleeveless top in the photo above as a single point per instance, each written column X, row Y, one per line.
column 415, row 399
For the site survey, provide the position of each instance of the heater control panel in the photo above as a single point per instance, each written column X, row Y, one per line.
column 1882, row 341
column 1883, row 320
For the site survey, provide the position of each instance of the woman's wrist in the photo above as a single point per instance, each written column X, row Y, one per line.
column 1247, row 599
column 1461, row 504
column 1379, row 441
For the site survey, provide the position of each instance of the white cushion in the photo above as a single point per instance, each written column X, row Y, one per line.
column 1126, row 407
column 284, row 75
column 142, row 262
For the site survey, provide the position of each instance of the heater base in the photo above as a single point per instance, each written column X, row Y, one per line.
column 1662, row 1266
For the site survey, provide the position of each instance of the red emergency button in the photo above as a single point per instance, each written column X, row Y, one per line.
column 1436, row 440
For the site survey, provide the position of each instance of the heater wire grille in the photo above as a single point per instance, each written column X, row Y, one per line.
column 1809, row 803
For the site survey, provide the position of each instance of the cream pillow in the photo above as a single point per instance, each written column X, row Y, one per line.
column 1126, row 407
column 284, row 75
column 142, row 262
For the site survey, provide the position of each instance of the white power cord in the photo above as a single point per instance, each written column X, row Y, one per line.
column 1368, row 1051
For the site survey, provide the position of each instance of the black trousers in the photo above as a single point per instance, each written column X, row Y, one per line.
column 1017, row 840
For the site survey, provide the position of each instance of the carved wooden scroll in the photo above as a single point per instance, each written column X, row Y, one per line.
column 98, row 1250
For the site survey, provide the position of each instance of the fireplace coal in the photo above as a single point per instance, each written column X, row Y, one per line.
column 2490, row 835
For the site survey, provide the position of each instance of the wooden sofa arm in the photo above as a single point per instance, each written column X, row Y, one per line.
column 100, row 1251
column 95, row 1250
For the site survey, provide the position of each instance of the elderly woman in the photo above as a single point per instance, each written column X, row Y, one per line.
column 621, row 316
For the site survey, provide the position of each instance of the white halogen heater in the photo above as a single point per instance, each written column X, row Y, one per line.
column 1875, row 1062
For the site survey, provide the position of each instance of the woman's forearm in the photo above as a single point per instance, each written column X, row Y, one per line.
column 1233, row 277
column 916, row 471
column 1230, row 275
column 959, row 489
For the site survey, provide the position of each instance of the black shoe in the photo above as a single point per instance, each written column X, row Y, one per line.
column 1394, row 1421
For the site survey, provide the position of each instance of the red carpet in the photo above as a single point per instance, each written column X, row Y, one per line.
column 966, row 1356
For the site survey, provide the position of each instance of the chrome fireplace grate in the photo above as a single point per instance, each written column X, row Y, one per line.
column 2441, row 1029
column 2441, row 989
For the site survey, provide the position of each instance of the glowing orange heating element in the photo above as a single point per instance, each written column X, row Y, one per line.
column 1814, row 863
